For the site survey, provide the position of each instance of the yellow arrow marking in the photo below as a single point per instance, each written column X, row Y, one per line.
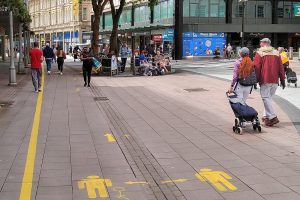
column 175, row 181
column 218, row 179
column 94, row 185
column 135, row 182
column 110, row 137
column 126, row 135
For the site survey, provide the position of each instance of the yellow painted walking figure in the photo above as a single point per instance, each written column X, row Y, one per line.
column 218, row 179
column 94, row 184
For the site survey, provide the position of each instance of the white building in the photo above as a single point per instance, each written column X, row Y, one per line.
column 59, row 22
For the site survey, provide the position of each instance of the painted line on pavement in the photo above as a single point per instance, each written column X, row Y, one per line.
column 31, row 154
column 110, row 137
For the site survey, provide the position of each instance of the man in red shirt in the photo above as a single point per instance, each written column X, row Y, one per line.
column 36, row 58
column 269, row 70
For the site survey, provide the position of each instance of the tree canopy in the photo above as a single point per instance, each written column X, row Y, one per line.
column 18, row 8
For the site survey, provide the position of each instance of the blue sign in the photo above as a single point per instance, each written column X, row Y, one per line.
column 168, row 35
column 203, row 44
column 297, row 10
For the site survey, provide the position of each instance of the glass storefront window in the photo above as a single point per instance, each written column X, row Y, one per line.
column 108, row 20
column 164, row 10
column 171, row 8
column 142, row 14
column 157, row 12
column 204, row 8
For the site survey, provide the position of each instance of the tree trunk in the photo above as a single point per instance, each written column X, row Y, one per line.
column 95, row 29
column 114, row 37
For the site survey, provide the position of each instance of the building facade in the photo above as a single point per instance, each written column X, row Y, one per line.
column 60, row 22
column 208, row 24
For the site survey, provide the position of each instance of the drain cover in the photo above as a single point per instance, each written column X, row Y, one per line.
column 101, row 99
column 5, row 103
column 196, row 90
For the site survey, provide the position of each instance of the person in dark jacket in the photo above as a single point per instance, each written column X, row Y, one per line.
column 87, row 65
column 49, row 55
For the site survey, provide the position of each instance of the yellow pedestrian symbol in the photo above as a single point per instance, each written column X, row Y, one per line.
column 218, row 179
column 94, row 184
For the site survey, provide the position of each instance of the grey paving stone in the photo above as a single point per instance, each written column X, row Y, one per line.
column 280, row 196
column 57, row 193
column 245, row 195
column 270, row 188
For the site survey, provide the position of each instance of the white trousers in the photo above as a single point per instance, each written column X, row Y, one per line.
column 267, row 91
column 242, row 92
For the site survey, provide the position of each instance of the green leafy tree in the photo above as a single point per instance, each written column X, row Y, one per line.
column 18, row 8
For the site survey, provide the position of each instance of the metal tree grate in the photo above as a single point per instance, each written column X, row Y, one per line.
column 196, row 90
column 101, row 99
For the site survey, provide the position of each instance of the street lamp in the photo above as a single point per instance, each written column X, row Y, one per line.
column 243, row 21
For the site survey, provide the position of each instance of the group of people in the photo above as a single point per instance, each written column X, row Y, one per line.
column 146, row 62
column 268, row 68
column 55, row 54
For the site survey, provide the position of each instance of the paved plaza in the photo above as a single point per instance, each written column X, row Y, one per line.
column 140, row 138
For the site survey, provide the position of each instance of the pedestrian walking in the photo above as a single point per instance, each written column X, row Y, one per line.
column 87, row 65
column 124, row 53
column 284, row 58
column 49, row 55
column 54, row 52
column 269, row 70
column 229, row 50
column 36, row 58
column 243, row 68
column 61, row 56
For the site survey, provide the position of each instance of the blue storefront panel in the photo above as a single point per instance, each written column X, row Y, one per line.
column 202, row 44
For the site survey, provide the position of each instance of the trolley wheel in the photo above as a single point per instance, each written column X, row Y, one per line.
column 255, row 127
column 237, row 121
column 259, row 128
column 234, row 128
column 239, row 131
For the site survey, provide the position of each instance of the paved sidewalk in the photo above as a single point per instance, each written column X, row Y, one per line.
column 144, row 138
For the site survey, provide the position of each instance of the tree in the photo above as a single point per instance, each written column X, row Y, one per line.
column 18, row 8
column 98, row 7
column 116, row 14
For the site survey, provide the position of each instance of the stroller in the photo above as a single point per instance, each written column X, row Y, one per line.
column 243, row 114
column 291, row 76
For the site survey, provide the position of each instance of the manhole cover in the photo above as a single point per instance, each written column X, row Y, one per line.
column 196, row 90
column 101, row 99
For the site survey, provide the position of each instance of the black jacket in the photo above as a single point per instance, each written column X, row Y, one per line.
column 48, row 52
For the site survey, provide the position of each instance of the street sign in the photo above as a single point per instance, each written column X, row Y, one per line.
column 297, row 10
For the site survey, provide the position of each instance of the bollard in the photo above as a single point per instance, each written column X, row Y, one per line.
column 291, row 53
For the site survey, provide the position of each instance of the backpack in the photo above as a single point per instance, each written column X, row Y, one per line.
column 249, row 80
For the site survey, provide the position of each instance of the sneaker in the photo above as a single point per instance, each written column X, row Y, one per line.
column 40, row 90
column 85, row 85
column 89, row 85
column 61, row 73
column 275, row 120
column 36, row 91
column 49, row 72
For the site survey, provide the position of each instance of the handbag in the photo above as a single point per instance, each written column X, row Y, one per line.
column 96, row 64
column 249, row 80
